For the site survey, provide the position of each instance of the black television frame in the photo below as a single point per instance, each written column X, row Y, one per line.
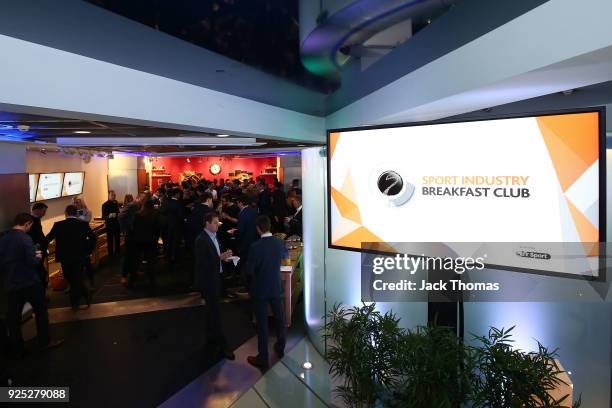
column 64, row 180
column 601, row 110
column 38, row 185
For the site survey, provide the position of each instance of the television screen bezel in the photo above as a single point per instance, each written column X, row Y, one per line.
column 600, row 110
column 38, row 186
column 82, row 184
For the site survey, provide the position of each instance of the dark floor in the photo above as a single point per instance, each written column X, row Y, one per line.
column 130, row 361
column 171, row 280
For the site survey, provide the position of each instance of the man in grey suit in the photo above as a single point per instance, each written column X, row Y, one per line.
column 207, row 279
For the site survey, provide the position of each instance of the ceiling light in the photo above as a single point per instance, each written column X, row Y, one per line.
column 301, row 145
column 307, row 365
column 222, row 135
column 82, row 132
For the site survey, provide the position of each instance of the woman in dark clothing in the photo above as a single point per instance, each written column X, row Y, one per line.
column 145, row 234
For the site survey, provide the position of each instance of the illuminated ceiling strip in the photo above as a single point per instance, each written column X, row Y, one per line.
column 272, row 151
column 158, row 141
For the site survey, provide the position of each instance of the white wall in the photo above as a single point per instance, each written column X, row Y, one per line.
column 292, row 168
column 95, row 188
column 123, row 175
column 314, row 238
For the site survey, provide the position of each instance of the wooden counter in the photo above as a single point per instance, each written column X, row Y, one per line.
column 291, row 278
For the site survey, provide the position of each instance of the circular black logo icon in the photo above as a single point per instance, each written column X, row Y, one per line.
column 390, row 183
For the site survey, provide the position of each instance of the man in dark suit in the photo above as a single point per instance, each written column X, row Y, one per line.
column 246, row 232
column 172, row 211
column 110, row 214
column 38, row 238
column 195, row 221
column 266, row 289
column 264, row 199
column 208, row 269
column 74, row 241
column 19, row 265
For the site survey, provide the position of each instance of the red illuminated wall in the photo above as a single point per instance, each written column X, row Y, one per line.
column 177, row 165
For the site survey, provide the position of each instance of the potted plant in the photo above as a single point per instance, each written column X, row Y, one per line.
column 381, row 364
column 507, row 377
column 361, row 350
column 435, row 369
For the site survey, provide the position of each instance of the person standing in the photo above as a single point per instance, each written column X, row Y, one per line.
column 172, row 209
column 110, row 214
column 207, row 274
column 19, row 265
column 145, row 235
column 266, row 288
column 195, row 221
column 126, row 225
column 246, row 231
column 83, row 212
column 279, row 207
column 74, row 242
column 39, row 210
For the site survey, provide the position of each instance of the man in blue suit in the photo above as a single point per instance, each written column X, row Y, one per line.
column 207, row 280
column 263, row 267
column 246, row 231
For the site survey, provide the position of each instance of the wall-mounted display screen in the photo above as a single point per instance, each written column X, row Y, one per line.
column 33, row 181
column 516, row 179
column 49, row 186
column 73, row 183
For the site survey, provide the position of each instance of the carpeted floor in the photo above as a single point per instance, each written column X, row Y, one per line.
column 171, row 280
column 130, row 361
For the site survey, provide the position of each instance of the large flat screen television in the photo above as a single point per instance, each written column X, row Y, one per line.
column 33, row 184
column 73, row 183
column 516, row 179
column 49, row 186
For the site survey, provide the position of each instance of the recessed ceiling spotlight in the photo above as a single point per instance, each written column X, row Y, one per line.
column 82, row 132
column 222, row 135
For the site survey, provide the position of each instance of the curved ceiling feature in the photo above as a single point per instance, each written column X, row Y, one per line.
column 354, row 25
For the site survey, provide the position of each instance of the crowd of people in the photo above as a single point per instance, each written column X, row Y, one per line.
column 220, row 230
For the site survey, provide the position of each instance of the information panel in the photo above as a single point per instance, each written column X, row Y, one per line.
column 49, row 186
column 73, row 183
column 520, row 179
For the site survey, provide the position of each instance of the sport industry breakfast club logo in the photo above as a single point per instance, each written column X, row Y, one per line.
column 399, row 191
column 394, row 188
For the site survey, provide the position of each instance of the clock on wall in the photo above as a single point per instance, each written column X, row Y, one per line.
column 215, row 168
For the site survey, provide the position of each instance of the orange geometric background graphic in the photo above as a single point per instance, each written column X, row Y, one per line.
column 572, row 141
